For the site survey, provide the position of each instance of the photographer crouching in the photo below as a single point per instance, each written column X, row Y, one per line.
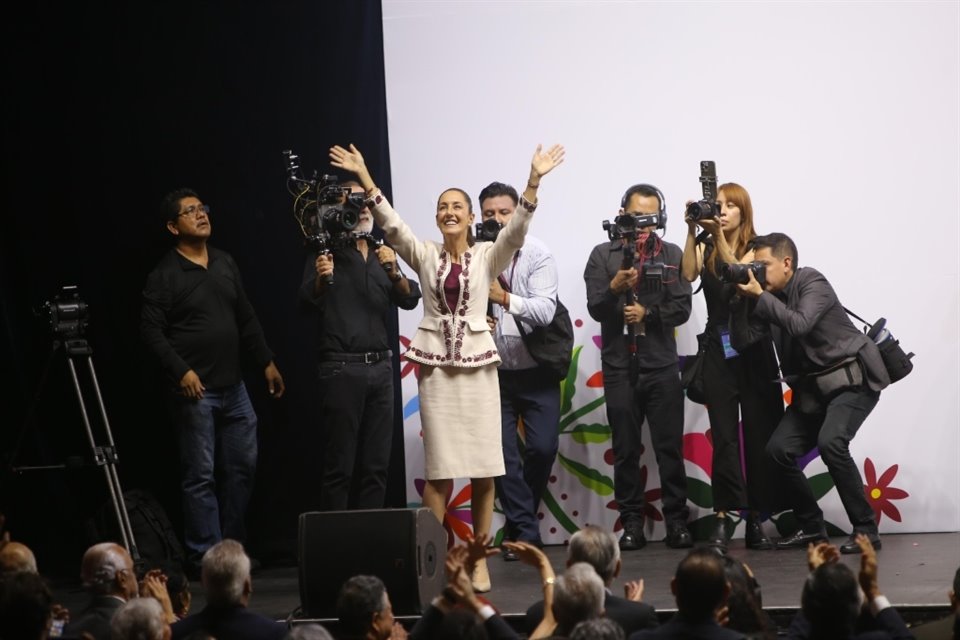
column 355, row 360
column 835, row 371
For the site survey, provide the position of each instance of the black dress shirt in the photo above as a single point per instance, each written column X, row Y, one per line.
column 199, row 318
column 353, row 310
column 667, row 307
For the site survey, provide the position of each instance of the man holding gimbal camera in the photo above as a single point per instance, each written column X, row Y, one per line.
column 353, row 286
column 836, row 374
column 635, row 291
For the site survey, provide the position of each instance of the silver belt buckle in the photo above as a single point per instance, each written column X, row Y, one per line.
column 371, row 357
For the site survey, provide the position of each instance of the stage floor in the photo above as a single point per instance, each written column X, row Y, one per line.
column 916, row 572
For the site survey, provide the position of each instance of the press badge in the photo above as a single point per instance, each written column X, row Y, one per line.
column 728, row 350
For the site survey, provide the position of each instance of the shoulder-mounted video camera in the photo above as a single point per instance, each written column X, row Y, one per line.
column 627, row 225
column 326, row 211
column 707, row 208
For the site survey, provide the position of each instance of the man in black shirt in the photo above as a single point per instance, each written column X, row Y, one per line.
column 355, row 363
column 662, row 303
column 195, row 320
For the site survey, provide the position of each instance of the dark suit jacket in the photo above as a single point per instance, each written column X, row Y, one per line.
column 886, row 625
column 809, row 327
column 236, row 623
column 428, row 624
column 95, row 619
column 678, row 629
column 632, row 616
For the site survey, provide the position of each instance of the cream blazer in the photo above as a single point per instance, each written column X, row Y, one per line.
column 461, row 339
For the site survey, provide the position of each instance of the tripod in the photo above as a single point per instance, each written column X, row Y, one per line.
column 77, row 349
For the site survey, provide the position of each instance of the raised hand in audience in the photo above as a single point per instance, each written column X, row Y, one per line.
column 633, row 590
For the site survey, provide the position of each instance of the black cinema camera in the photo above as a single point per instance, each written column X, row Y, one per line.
column 67, row 315
column 326, row 211
column 737, row 273
column 707, row 208
column 488, row 230
column 627, row 225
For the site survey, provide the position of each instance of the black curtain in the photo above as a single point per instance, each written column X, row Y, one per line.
column 108, row 107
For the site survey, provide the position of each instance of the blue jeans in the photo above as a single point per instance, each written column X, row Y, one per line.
column 218, row 457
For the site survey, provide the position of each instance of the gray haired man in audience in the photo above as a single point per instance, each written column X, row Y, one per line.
column 225, row 573
column 140, row 619
column 599, row 548
column 107, row 573
column 365, row 612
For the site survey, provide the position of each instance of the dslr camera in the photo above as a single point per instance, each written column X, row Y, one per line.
column 737, row 273
column 488, row 230
column 707, row 208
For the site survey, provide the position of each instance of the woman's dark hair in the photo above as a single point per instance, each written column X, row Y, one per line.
column 744, row 602
column 461, row 624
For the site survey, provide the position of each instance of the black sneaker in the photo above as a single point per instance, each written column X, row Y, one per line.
column 678, row 536
column 632, row 538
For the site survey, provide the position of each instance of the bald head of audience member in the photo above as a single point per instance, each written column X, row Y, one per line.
column 598, row 548
column 16, row 557
column 107, row 570
column 225, row 573
column 700, row 585
column 139, row 619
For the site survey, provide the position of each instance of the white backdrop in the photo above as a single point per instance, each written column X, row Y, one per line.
column 841, row 119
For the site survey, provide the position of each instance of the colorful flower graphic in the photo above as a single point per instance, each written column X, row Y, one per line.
column 458, row 520
column 879, row 492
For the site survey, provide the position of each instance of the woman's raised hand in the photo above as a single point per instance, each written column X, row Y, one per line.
column 544, row 161
column 352, row 160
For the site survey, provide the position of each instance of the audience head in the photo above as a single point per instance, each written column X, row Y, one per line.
column 597, row 629
column 308, row 632
column 225, row 573
column 578, row 595
column 699, row 585
column 744, row 602
column 178, row 588
column 25, row 606
column 955, row 593
column 107, row 569
column 16, row 557
column 598, row 548
column 363, row 608
column 139, row 619
column 831, row 599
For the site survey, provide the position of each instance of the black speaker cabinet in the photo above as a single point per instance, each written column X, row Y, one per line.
column 406, row 548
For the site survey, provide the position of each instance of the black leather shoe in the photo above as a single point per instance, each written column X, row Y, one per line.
column 678, row 536
column 632, row 538
column 851, row 546
column 509, row 555
column 801, row 539
column 754, row 537
column 720, row 535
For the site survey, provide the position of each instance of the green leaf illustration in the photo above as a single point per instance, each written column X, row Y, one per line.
column 590, row 478
column 821, row 484
column 699, row 493
column 554, row 507
column 576, row 414
column 591, row 433
column 569, row 386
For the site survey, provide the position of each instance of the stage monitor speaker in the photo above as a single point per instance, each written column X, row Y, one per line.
column 406, row 548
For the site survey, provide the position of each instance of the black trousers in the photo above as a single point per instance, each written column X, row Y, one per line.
column 658, row 398
column 743, row 389
column 831, row 430
column 356, row 407
column 534, row 396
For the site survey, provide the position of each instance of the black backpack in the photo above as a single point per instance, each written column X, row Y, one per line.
column 552, row 346
column 153, row 533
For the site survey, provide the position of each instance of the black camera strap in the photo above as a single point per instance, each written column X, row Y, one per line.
column 851, row 313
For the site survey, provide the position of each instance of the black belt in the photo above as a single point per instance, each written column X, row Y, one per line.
column 363, row 358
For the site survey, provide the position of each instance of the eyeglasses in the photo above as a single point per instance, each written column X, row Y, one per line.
column 195, row 210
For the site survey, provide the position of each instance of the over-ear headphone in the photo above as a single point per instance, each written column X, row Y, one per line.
column 646, row 190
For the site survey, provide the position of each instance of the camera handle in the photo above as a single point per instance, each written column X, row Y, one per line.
column 103, row 456
column 630, row 298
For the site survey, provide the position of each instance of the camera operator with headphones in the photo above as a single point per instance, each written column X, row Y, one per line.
column 638, row 307
column 356, row 362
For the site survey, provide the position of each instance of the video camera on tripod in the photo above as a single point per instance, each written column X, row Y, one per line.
column 325, row 210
